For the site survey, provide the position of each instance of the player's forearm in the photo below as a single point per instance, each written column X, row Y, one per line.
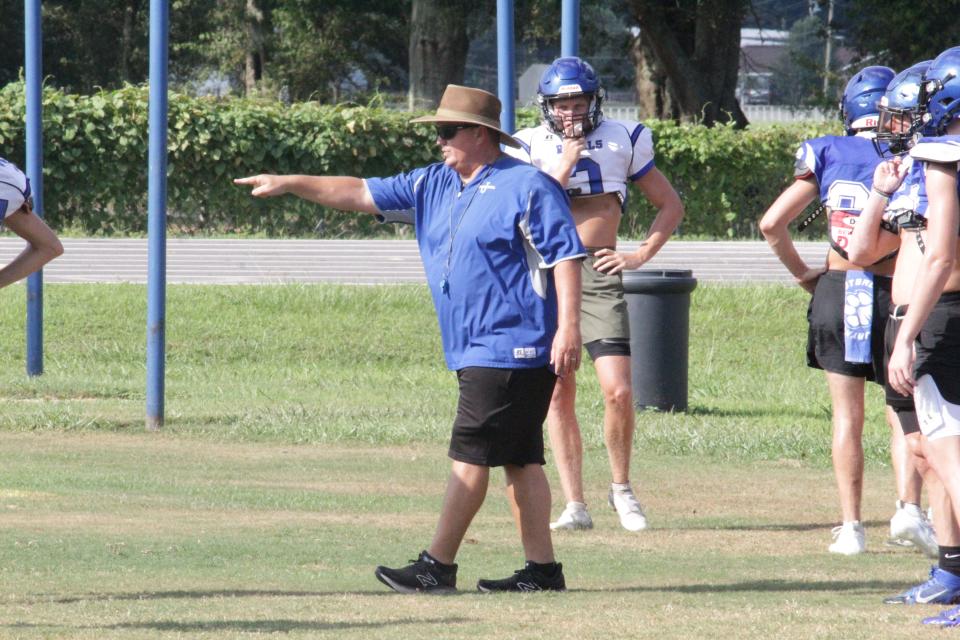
column 562, row 172
column 338, row 192
column 782, row 245
column 666, row 222
column 28, row 261
column 864, row 241
column 42, row 246
column 566, row 277
column 773, row 226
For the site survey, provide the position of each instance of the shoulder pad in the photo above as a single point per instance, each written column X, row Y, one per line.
column 934, row 150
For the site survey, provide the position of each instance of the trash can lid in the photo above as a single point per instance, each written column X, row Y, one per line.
column 659, row 281
column 658, row 273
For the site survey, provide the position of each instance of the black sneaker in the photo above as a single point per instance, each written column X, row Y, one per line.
column 527, row 579
column 425, row 575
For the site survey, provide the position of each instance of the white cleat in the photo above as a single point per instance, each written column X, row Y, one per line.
column 848, row 539
column 628, row 508
column 573, row 518
column 909, row 523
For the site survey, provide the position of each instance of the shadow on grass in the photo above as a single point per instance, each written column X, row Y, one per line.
column 757, row 412
column 248, row 626
column 782, row 586
column 199, row 595
column 798, row 526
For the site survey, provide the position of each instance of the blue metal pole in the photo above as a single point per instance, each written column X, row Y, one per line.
column 34, row 117
column 570, row 28
column 157, row 213
column 505, row 64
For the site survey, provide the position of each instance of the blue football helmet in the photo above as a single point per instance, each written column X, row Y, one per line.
column 568, row 78
column 858, row 107
column 940, row 93
column 900, row 111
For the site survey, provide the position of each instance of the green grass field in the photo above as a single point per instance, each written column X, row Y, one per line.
column 304, row 445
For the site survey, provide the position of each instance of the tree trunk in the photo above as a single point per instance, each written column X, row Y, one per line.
column 254, row 57
column 438, row 49
column 653, row 95
column 696, row 45
column 126, row 41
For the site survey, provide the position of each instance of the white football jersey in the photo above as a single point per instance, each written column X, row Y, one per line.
column 14, row 188
column 617, row 151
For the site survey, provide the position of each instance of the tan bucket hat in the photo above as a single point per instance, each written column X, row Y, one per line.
column 473, row 106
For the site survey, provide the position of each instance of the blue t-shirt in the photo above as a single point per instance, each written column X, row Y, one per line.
column 487, row 248
column 843, row 168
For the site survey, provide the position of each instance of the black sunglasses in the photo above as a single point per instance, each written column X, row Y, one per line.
column 449, row 131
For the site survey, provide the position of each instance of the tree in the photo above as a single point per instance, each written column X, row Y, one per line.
column 237, row 41
column 695, row 46
column 98, row 43
column 325, row 48
column 899, row 33
column 438, row 49
column 798, row 75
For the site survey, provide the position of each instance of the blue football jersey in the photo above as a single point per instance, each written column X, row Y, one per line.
column 843, row 168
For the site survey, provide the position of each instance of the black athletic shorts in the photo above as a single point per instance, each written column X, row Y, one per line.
column 903, row 405
column 608, row 347
column 500, row 416
column 825, row 346
column 938, row 347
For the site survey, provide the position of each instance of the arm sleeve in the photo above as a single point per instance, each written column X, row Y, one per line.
column 14, row 188
column 806, row 163
column 642, row 161
column 396, row 197
column 547, row 224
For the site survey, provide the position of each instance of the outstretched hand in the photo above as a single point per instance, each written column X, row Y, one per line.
column 264, row 185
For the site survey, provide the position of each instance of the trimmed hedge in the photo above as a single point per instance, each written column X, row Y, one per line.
column 95, row 163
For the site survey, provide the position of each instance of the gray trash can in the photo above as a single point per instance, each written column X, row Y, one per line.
column 658, row 303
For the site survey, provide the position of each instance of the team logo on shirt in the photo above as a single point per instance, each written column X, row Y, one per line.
column 486, row 186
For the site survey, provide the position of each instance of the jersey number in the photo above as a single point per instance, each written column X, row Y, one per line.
column 592, row 169
column 845, row 195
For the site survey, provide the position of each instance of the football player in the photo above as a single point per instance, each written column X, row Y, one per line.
column 920, row 196
column 847, row 311
column 595, row 159
column 16, row 213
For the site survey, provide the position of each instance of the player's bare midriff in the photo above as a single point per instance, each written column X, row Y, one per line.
column 836, row 262
column 597, row 219
column 908, row 261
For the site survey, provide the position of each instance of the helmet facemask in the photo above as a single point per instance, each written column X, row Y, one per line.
column 580, row 124
column 897, row 129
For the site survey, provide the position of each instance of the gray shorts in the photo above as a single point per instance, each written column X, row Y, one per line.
column 603, row 310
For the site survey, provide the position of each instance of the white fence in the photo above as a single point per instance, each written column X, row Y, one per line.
column 756, row 113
